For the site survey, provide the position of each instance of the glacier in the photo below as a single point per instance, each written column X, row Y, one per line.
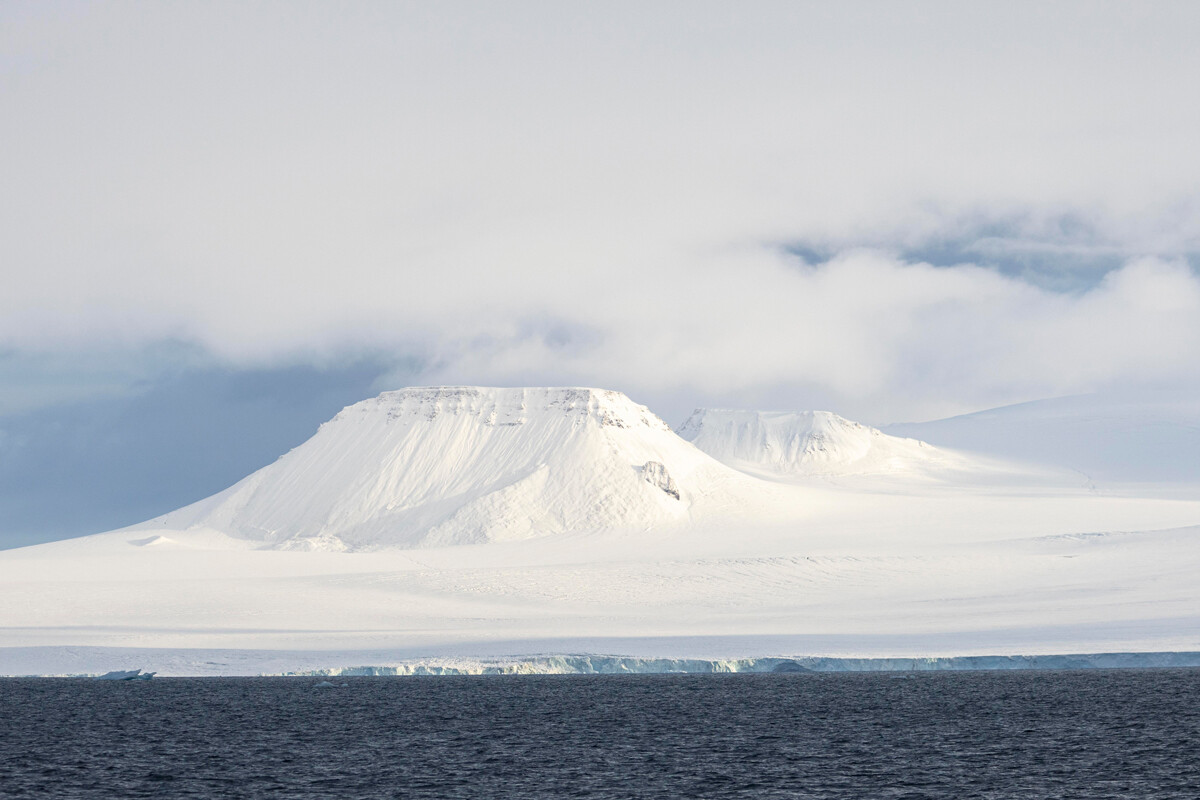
column 473, row 528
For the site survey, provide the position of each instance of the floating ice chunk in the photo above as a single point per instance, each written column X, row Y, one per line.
column 126, row 675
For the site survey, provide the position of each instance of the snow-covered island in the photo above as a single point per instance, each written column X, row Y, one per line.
column 556, row 529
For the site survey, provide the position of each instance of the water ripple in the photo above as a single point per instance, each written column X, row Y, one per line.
column 1086, row 734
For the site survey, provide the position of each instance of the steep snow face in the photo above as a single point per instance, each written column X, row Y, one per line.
column 462, row 465
column 806, row 443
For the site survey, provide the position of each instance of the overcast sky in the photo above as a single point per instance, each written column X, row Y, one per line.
column 895, row 211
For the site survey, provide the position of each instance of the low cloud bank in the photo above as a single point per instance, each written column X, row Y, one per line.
column 893, row 213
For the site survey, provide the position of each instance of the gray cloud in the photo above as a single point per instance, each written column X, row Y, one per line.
column 1064, row 251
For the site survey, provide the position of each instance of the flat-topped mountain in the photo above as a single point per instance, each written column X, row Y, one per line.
column 806, row 443
column 460, row 465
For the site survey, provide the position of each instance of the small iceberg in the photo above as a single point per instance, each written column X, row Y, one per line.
column 126, row 675
column 328, row 685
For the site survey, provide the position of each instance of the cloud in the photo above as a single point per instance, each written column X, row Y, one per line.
column 869, row 334
column 548, row 193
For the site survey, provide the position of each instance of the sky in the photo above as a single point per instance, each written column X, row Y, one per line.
column 221, row 222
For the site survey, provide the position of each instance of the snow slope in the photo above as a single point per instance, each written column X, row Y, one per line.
column 461, row 465
column 808, row 443
column 1112, row 439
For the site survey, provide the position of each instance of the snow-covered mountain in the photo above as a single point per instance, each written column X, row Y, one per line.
column 807, row 443
column 462, row 465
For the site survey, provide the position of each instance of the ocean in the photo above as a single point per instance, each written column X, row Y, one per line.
column 1030, row 734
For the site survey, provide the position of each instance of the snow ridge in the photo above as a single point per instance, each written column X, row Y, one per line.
column 805, row 443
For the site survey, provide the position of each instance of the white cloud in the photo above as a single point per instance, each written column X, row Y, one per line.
column 880, row 337
column 559, row 193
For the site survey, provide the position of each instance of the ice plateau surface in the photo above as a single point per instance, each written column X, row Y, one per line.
column 1110, row 438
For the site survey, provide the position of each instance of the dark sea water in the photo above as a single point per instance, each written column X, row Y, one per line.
column 1085, row 734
